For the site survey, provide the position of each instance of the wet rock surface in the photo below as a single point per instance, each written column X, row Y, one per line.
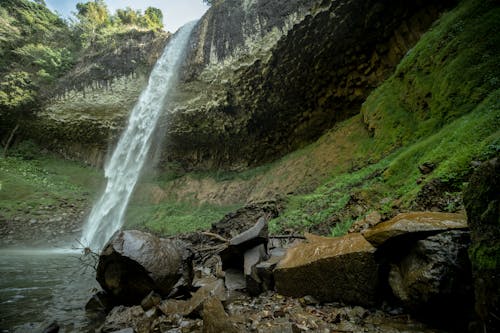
column 285, row 284
column 414, row 223
column 434, row 280
column 482, row 202
column 330, row 269
column 134, row 263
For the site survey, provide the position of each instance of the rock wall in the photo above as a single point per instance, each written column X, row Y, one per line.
column 261, row 78
column 90, row 106
column 264, row 78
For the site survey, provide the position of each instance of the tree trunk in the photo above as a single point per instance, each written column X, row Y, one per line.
column 11, row 136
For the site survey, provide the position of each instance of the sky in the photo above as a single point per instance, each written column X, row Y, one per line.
column 175, row 12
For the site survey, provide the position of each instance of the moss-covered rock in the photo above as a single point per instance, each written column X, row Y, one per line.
column 482, row 201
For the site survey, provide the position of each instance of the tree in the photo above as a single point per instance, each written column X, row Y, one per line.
column 128, row 16
column 154, row 18
column 93, row 16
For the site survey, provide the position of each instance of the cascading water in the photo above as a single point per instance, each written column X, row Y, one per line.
column 123, row 169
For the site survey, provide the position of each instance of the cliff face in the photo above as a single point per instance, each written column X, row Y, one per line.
column 265, row 77
column 91, row 103
column 261, row 78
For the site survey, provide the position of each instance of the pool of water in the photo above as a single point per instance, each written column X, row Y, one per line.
column 38, row 287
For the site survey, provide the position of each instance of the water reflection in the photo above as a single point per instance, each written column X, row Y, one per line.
column 40, row 286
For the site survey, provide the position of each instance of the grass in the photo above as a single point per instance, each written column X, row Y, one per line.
column 42, row 180
column 442, row 105
column 170, row 218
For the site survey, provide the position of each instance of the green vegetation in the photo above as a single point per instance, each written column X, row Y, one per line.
column 485, row 256
column 451, row 70
column 442, row 106
column 37, row 48
column 30, row 180
column 169, row 218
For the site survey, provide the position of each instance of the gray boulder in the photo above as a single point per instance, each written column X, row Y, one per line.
column 134, row 263
column 434, row 279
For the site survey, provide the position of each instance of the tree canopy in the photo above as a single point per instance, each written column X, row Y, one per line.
column 37, row 46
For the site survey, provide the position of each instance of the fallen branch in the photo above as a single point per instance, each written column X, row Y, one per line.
column 219, row 237
column 287, row 237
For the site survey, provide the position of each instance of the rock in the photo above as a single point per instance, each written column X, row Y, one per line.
column 134, row 263
column 426, row 168
column 125, row 330
column 150, row 301
column 126, row 318
column 52, row 328
column 233, row 255
column 482, row 202
column 251, row 258
column 411, row 223
column 437, row 195
column 371, row 219
column 244, row 218
column 195, row 303
column 330, row 269
column 434, row 280
column 100, row 302
column 215, row 319
column 234, row 279
column 265, row 270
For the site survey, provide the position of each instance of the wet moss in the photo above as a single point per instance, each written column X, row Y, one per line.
column 485, row 256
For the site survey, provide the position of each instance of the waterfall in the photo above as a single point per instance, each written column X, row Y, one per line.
column 124, row 167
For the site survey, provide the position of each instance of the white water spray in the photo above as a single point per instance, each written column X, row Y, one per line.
column 123, row 169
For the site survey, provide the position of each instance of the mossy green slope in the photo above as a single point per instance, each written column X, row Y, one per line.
column 441, row 106
column 29, row 180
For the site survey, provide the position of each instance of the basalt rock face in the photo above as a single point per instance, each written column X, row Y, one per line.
column 90, row 105
column 265, row 77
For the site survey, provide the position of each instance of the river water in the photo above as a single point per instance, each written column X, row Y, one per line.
column 38, row 287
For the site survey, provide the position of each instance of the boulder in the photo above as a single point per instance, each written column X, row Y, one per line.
column 150, row 301
column 482, row 202
column 264, row 271
column 233, row 255
column 194, row 304
column 215, row 319
column 234, row 279
column 134, row 263
column 434, row 279
column 100, row 302
column 330, row 269
column 414, row 223
column 251, row 258
column 52, row 328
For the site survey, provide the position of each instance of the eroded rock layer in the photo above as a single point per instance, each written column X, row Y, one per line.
column 266, row 77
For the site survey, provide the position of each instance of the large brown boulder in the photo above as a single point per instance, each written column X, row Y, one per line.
column 434, row 279
column 330, row 269
column 414, row 223
column 482, row 202
column 134, row 263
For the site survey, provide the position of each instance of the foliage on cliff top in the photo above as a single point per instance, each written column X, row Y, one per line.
column 37, row 47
